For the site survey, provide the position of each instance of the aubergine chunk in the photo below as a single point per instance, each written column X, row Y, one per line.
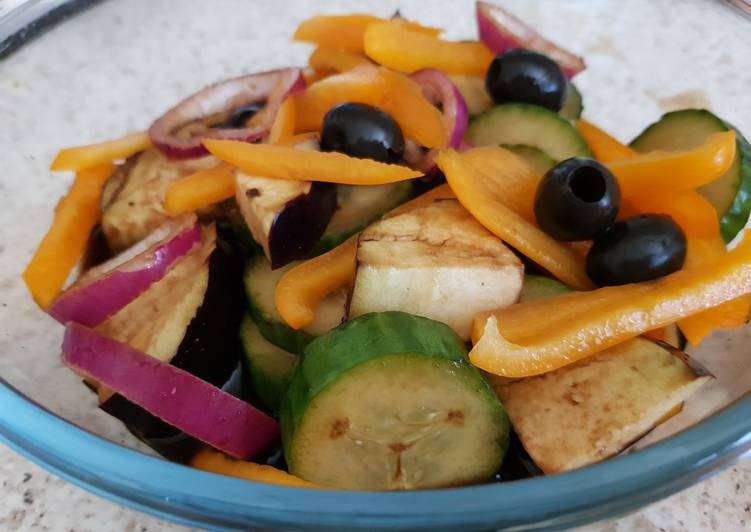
column 286, row 218
column 132, row 200
column 202, row 340
column 591, row 410
column 436, row 261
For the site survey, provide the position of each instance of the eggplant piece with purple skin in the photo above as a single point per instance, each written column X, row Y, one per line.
column 209, row 349
column 286, row 218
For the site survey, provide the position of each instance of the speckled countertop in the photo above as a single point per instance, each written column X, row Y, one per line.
column 119, row 65
column 35, row 500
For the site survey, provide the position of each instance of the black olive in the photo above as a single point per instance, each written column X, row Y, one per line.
column 577, row 199
column 637, row 249
column 362, row 131
column 239, row 117
column 525, row 76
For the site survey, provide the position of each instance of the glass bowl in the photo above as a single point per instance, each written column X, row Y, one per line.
column 115, row 67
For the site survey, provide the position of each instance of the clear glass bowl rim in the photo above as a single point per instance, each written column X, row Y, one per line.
column 182, row 494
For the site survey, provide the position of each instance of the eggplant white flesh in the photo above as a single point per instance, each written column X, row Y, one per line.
column 132, row 201
column 286, row 218
column 594, row 409
column 156, row 321
column 436, row 261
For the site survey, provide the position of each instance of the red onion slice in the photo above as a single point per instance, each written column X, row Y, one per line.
column 107, row 288
column 270, row 87
column 501, row 31
column 173, row 395
column 438, row 88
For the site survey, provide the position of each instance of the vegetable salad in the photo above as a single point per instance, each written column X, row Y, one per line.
column 410, row 264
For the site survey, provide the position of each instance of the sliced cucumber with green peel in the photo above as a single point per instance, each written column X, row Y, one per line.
column 521, row 123
column 260, row 287
column 573, row 104
column 269, row 366
column 688, row 128
column 388, row 401
column 538, row 159
column 358, row 205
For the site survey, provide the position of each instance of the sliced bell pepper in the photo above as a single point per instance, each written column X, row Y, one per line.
column 396, row 45
column 605, row 148
column 540, row 336
column 75, row 216
column 286, row 162
column 391, row 92
column 344, row 32
column 519, row 187
column 83, row 157
column 701, row 253
column 301, row 290
column 201, row 189
column 283, row 127
column 662, row 172
column 494, row 184
column 216, row 462
column 311, row 75
column 689, row 209
column 330, row 59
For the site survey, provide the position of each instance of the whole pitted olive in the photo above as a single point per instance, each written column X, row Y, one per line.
column 577, row 199
column 362, row 131
column 525, row 76
column 637, row 249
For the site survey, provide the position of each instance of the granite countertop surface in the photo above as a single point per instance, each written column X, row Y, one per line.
column 67, row 76
column 35, row 500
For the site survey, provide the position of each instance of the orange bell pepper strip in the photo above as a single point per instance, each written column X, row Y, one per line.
column 75, row 216
column 330, row 59
column 286, row 162
column 734, row 313
column 540, row 336
column 311, row 75
column 500, row 208
column 301, row 290
column 83, row 157
column 219, row 463
column 395, row 45
column 344, row 32
column 201, row 189
column 391, row 92
column 605, row 148
column 662, row 172
column 690, row 210
column 283, row 126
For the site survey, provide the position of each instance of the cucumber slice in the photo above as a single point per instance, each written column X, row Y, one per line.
column 260, row 285
column 538, row 159
column 359, row 205
column 688, row 128
column 539, row 287
column 269, row 367
column 520, row 123
column 573, row 104
column 389, row 401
